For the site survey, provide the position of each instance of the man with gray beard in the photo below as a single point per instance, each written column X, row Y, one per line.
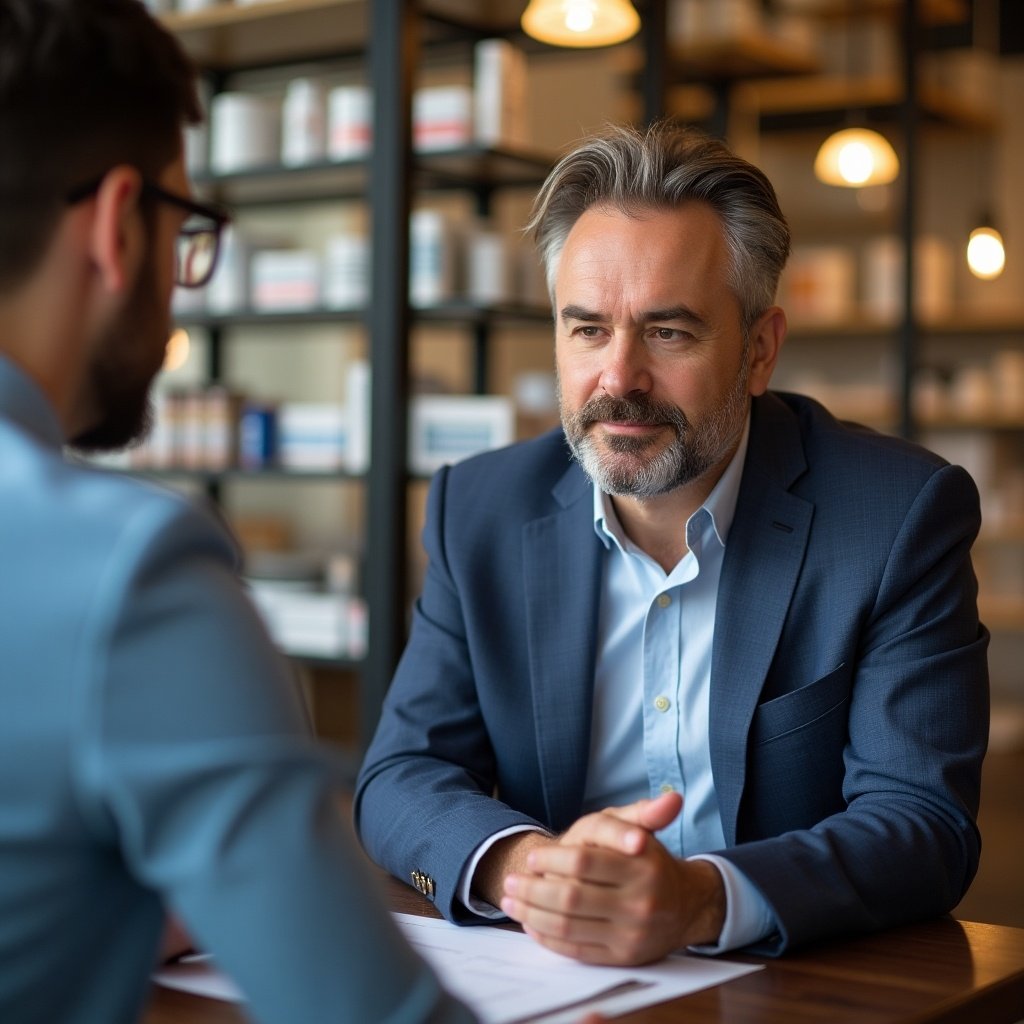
column 703, row 668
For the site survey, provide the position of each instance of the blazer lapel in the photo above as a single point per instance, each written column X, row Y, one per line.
column 562, row 577
column 764, row 552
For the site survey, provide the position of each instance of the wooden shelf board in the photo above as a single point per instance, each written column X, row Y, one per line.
column 932, row 12
column 950, row 327
column 229, row 36
column 743, row 56
column 822, row 93
column 993, row 422
column 465, row 167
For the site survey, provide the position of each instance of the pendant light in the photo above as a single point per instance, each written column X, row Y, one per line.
column 855, row 158
column 986, row 254
column 580, row 22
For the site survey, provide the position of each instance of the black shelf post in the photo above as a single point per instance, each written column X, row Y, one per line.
column 909, row 118
column 394, row 42
column 654, row 77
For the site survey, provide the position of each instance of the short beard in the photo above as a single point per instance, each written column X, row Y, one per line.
column 622, row 469
column 122, row 373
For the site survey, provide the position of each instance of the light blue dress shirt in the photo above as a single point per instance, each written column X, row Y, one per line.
column 649, row 733
column 154, row 755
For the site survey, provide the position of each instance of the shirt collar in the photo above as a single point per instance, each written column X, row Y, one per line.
column 22, row 402
column 720, row 504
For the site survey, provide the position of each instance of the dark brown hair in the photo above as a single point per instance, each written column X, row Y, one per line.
column 84, row 85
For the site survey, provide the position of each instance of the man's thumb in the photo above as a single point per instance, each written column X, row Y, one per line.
column 651, row 814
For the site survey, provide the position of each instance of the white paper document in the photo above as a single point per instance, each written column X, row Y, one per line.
column 507, row 978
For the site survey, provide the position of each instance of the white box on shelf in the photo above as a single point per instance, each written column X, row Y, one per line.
column 244, row 132
column 432, row 258
column 489, row 278
column 304, row 123
column 346, row 280
column 446, row 428
column 303, row 622
column 499, row 94
column 442, row 117
column 228, row 289
column 285, row 280
column 818, row 285
column 349, row 122
column 312, row 435
column 882, row 278
column 357, row 402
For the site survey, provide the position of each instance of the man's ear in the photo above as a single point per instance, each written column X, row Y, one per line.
column 117, row 236
column 766, row 337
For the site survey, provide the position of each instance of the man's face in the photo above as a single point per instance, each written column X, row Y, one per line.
column 653, row 369
column 130, row 352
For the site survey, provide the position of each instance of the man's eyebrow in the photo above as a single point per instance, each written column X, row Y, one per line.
column 669, row 315
column 579, row 313
column 683, row 313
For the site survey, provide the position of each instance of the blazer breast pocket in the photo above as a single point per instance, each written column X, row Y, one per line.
column 795, row 758
column 802, row 708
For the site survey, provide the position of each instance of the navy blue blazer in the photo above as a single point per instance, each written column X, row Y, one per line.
column 849, row 684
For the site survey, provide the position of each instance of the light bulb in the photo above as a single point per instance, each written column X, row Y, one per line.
column 176, row 354
column 986, row 255
column 855, row 163
column 856, row 157
column 580, row 22
column 579, row 16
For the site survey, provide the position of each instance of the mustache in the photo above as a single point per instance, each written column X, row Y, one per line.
column 640, row 409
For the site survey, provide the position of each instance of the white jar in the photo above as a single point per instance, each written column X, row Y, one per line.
column 303, row 123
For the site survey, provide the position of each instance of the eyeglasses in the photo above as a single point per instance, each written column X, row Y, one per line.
column 198, row 242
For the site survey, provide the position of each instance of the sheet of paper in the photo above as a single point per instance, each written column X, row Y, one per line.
column 197, row 974
column 506, row 977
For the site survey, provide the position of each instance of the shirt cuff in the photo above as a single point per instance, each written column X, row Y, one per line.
column 748, row 917
column 464, row 891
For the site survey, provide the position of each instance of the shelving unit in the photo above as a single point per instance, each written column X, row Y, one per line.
column 389, row 37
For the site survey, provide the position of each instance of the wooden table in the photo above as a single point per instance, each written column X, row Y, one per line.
column 951, row 971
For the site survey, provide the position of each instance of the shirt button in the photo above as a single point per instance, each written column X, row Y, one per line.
column 664, row 600
column 667, row 787
column 662, row 703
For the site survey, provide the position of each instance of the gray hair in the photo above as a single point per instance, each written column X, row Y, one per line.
column 662, row 167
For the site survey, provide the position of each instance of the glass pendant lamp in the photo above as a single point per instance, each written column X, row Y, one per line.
column 986, row 254
column 855, row 158
column 580, row 22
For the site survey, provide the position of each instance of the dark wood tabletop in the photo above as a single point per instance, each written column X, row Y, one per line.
column 948, row 971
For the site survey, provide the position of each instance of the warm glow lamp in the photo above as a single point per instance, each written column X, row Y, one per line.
column 580, row 22
column 176, row 355
column 856, row 157
column 986, row 255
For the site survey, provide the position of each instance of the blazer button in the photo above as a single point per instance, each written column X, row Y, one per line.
column 422, row 883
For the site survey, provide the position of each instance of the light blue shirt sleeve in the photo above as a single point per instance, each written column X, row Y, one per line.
column 748, row 918
column 466, row 897
column 196, row 755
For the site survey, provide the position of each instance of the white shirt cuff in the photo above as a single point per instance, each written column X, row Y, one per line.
column 748, row 917
column 477, row 906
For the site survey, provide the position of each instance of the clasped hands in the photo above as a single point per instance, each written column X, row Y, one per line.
column 606, row 891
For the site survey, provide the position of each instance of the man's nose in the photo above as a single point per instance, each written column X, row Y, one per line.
column 625, row 371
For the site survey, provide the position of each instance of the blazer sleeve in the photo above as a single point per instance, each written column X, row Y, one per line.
column 196, row 760
column 914, row 701
column 425, row 793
